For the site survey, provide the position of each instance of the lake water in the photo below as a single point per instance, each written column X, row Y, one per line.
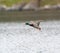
column 16, row 37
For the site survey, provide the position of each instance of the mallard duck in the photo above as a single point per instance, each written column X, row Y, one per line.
column 34, row 24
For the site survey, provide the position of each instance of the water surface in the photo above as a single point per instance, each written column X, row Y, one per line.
column 16, row 37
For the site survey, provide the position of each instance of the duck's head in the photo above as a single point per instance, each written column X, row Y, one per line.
column 27, row 23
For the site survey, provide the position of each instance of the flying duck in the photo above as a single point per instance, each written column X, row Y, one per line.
column 34, row 24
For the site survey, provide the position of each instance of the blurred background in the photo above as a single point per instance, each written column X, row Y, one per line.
column 22, row 10
column 16, row 37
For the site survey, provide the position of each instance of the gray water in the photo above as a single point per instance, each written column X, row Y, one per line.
column 16, row 37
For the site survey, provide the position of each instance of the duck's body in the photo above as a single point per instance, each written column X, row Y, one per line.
column 35, row 25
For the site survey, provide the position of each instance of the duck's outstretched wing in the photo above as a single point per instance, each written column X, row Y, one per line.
column 38, row 23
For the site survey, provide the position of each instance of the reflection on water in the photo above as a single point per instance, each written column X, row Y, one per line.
column 16, row 37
